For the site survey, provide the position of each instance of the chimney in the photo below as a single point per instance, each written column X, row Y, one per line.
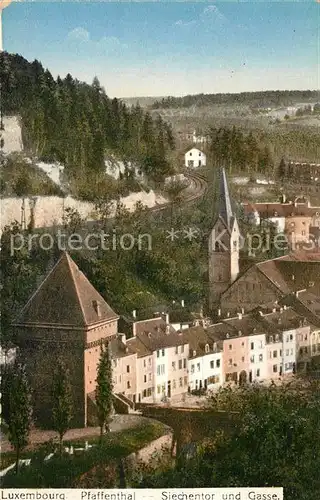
column 96, row 307
column 182, row 303
column 134, row 313
column 219, row 312
column 122, row 337
column 239, row 315
column 242, row 310
column 284, row 198
column 167, row 329
column 228, row 314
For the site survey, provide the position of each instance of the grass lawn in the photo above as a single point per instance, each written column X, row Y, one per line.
column 62, row 472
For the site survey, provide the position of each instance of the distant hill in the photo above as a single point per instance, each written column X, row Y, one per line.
column 144, row 102
column 262, row 99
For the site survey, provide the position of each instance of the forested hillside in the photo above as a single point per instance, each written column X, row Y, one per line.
column 268, row 98
column 77, row 124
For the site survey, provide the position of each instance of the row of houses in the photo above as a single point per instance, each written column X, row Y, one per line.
column 297, row 219
column 159, row 362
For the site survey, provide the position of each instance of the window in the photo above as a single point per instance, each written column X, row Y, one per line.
column 218, row 363
column 174, row 385
column 145, row 378
column 184, row 363
column 192, row 368
column 128, row 368
column 261, row 344
column 275, row 368
column 173, row 365
column 258, row 372
column 242, row 359
column 149, row 391
column 114, row 362
column 251, row 359
column 158, row 354
column 199, row 154
column 280, row 353
column 230, row 362
column 180, row 364
column 120, row 379
column 190, row 154
column 182, row 349
column 160, row 369
column 198, row 367
column 271, row 338
column 162, row 352
column 144, row 394
column 176, row 350
column 150, row 376
column 275, row 354
column 260, row 357
column 128, row 384
column 158, row 389
column 230, row 346
column 180, row 382
column 211, row 364
column 185, row 380
column 149, row 362
column 291, row 337
column 252, row 345
column 144, row 363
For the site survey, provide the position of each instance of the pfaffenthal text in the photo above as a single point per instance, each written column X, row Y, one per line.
column 145, row 494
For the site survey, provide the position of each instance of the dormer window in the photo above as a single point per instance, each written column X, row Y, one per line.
column 194, row 353
column 207, row 348
column 275, row 214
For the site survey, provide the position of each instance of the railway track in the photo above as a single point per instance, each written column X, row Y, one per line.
column 195, row 189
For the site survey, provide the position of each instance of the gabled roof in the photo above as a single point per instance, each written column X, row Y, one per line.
column 66, row 298
column 156, row 334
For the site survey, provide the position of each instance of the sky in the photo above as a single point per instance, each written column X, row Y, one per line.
column 171, row 48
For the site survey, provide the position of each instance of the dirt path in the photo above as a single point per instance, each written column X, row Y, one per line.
column 119, row 423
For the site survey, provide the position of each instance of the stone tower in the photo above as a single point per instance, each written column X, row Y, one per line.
column 65, row 319
column 224, row 243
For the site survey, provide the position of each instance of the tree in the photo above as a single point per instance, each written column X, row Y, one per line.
column 104, row 389
column 275, row 443
column 19, row 411
column 62, row 409
column 282, row 169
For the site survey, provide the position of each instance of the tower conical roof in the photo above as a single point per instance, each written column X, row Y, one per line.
column 224, row 203
column 66, row 298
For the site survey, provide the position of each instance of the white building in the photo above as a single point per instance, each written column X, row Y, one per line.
column 257, row 359
column 195, row 158
column 162, row 352
column 289, row 357
column 205, row 360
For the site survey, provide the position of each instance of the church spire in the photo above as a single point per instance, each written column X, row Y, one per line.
column 224, row 205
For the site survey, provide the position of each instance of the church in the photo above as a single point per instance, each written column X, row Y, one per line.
column 264, row 283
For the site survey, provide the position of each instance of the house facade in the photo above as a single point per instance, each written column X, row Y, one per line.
column 195, row 158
